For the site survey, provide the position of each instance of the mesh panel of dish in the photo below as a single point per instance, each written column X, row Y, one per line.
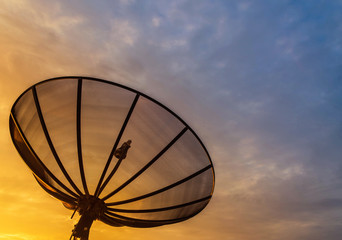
column 68, row 128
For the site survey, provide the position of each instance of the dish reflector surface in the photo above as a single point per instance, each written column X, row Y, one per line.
column 68, row 129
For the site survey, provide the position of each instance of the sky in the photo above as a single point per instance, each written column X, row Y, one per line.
column 258, row 81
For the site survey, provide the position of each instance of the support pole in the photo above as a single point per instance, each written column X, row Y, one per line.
column 90, row 208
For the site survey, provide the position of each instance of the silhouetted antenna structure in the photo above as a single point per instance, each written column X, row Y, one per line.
column 111, row 153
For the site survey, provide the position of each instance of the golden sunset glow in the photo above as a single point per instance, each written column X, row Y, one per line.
column 259, row 82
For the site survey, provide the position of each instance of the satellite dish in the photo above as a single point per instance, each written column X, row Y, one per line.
column 111, row 153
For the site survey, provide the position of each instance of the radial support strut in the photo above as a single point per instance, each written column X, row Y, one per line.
column 91, row 207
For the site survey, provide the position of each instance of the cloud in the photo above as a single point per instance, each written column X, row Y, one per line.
column 15, row 237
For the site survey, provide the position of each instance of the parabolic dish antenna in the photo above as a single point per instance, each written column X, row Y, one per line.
column 111, row 153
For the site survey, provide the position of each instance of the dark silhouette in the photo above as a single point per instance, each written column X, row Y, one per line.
column 68, row 131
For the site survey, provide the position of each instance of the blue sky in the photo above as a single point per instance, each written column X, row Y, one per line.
column 259, row 81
